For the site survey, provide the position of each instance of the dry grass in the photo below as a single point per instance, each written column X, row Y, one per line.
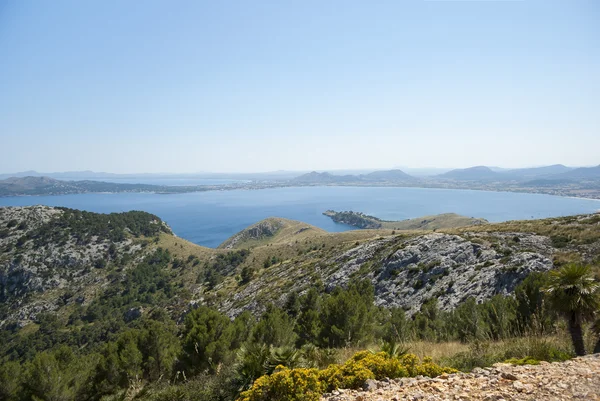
column 287, row 231
column 182, row 248
column 422, row 349
column 437, row 351
column 583, row 229
column 435, row 222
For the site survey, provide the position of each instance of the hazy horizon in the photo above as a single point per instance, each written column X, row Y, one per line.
column 204, row 87
column 355, row 170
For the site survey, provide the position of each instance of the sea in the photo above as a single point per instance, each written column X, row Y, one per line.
column 209, row 218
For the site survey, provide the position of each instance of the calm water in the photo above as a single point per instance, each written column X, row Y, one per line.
column 208, row 218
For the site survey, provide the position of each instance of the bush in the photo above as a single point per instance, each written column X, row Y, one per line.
column 381, row 364
column 348, row 375
column 523, row 361
column 286, row 385
column 293, row 384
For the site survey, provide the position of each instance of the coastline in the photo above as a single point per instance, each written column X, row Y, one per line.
column 256, row 187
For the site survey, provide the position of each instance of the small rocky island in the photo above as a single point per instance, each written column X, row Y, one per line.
column 356, row 219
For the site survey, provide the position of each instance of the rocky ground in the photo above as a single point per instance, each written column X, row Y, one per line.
column 450, row 268
column 577, row 379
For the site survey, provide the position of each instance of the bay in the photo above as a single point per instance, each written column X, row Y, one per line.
column 209, row 218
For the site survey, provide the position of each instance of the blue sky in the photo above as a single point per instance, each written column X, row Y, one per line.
column 158, row 86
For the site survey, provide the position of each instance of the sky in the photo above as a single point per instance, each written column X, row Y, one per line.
column 248, row 86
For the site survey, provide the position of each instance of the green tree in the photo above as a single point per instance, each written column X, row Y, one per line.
column 573, row 293
column 207, row 339
column 159, row 346
column 55, row 375
column 499, row 316
column 246, row 275
column 533, row 312
column 348, row 316
column 242, row 328
column 120, row 362
column 428, row 322
column 467, row 321
column 10, row 381
column 292, row 304
column 308, row 324
column 274, row 328
column 397, row 327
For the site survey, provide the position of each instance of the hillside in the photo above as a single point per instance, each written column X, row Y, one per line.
column 586, row 173
column 47, row 252
column 19, row 186
column 435, row 222
column 476, row 173
column 538, row 171
column 388, row 175
column 121, row 291
column 271, row 231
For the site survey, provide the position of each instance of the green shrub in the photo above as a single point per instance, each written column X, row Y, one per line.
column 523, row 361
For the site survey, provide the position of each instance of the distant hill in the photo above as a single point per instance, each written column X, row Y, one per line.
column 484, row 173
column 325, row 178
column 389, row 175
column 539, row 171
column 587, row 173
column 476, row 173
column 15, row 186
column 35, row 186
column 18, row 186
column 314, row 177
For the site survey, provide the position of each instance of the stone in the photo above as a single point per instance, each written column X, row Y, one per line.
column 518, row 386
column 508, row 376
column 370, row 385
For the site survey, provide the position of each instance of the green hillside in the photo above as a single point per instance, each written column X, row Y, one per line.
column 117, row 307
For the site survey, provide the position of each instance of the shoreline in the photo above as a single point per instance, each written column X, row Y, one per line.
column 255, row 187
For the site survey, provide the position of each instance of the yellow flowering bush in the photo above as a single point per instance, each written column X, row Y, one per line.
column 308, row 384
column 381, row 364
column 348, row 375
column 286, row 385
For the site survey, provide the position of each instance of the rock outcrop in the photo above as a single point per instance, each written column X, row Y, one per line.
column 59, row 253
column 450, row 268
column 263, row 229
column 407, row 271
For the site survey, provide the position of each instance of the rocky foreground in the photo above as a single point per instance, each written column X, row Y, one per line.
column 577, row 379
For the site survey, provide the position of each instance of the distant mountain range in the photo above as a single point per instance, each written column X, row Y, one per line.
column 16, row 186
column 554, row 180
column 376, row 176
column 476, row 173
column 557, row 172
column 92, row 175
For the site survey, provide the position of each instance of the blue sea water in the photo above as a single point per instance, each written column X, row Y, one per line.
column 209, row 218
